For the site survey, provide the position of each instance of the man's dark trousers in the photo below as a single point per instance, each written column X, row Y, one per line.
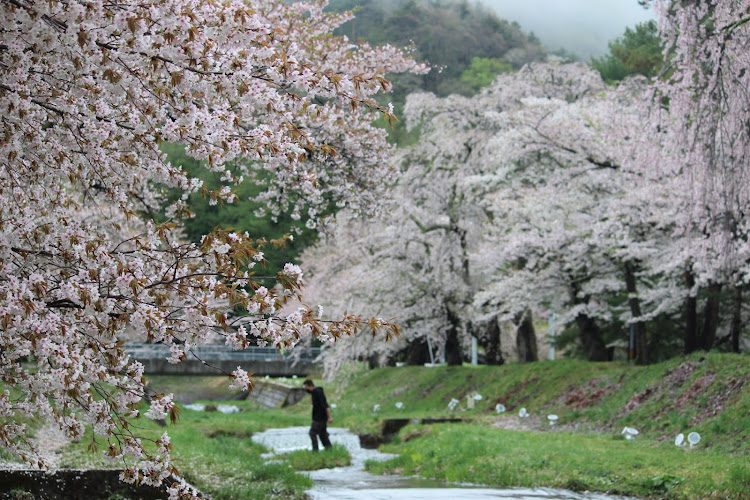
column 319, row 429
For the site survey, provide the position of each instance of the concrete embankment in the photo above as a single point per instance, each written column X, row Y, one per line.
column 64, row 484
column 270, row 394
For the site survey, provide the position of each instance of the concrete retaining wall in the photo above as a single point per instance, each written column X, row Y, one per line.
column 65, row 484
column 271, row 394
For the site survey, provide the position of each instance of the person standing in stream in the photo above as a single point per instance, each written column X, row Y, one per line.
column 321, row 415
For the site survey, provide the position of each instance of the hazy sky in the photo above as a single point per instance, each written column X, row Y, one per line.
column 581, row 26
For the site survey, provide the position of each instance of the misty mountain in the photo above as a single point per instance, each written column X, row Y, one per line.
column 583, row 27
column 450, row 35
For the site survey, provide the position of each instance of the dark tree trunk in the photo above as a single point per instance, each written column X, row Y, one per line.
column 526, row 337
column 710, row 317
column 736, row 326
column 591, row 338
column 373, row 361
column 453, row 355
column 489, row 336
column 588, row 331
column 417, row 353
column 641, row 340
column 691, row 315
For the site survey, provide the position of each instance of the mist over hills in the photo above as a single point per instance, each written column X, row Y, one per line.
column 583, row 27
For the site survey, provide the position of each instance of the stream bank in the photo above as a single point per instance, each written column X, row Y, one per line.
column 354, row 483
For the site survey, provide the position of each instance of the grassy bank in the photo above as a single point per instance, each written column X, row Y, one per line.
column 474, row 454
column 216, row 454
column 707, row 394
column 585, row 450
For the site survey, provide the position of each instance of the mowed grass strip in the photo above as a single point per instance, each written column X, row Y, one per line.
column 469, row 453
column 306, row 460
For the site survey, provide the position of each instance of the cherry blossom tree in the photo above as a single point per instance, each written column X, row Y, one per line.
column 583, row 227
column 357, row 267
column 553, row 169
column 421, row 249
column 547, row 165
column 88, row 92
column 525, row 198
column 699, row 118
column 437, row 241
column 704, row 97
column 621, row 207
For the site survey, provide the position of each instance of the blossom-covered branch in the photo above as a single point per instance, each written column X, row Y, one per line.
column 88, row 92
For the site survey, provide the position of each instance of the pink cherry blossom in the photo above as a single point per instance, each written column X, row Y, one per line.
column 88, row 92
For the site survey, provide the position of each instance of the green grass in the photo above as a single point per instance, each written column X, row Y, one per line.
column 475, row 454
column 336, row 456
column 213, row 388
column 708, row 393
column 215, row 453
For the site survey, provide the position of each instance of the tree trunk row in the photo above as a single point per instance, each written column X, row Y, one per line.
column 696, row 336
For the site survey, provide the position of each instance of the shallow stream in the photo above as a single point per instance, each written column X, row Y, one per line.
column 353, row 483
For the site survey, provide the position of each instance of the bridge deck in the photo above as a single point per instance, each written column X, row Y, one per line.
column 214, row 359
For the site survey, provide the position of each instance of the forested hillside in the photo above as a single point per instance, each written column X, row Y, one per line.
column 456, row 38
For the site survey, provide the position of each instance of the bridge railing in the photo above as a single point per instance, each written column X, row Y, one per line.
column 223, row 352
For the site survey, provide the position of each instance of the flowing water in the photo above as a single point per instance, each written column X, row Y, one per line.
column 353, row 483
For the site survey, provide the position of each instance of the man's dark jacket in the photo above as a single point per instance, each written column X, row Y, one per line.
column 319, row 405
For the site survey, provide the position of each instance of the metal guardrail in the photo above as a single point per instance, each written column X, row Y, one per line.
column 222, row 352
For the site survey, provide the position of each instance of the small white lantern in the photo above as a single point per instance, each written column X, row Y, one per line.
column 629, row 433
column 694, row 438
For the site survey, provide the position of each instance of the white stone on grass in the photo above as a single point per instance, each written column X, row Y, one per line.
column 629, row 433
column 227, row 409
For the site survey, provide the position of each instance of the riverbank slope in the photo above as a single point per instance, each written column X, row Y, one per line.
column 585, row 449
